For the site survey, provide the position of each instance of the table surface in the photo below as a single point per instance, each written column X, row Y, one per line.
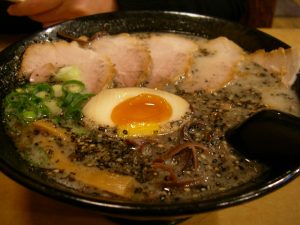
column 20, row 206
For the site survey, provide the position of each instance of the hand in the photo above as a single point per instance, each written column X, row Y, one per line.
column 49, row 12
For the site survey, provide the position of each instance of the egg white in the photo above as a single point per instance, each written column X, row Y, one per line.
column 99, row 108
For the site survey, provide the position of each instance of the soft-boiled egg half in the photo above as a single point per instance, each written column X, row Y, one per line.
column 137, row 112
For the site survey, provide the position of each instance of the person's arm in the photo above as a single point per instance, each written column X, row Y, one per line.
column 56, row 11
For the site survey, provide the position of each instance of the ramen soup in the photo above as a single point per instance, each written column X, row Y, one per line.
column 143, row 116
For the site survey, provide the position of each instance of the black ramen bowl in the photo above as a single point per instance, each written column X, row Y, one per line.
column 113, row 23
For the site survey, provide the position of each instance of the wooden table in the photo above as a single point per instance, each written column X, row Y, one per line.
column 20, row 206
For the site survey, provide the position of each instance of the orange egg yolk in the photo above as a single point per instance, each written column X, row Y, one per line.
column 146, row 108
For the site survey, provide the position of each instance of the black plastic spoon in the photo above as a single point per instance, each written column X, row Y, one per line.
column 267, row 135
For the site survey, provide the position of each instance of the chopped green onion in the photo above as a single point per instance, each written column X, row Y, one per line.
column 53, row 107
column 73, row 86
column 42, row 89
column 57, row 88
column 72, row 104
column 42, row 110
column 36, row 101
column 68, row 73
column 29, row 115
column 42, row 94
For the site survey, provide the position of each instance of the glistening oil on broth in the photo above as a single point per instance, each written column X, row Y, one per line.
column 190, row 160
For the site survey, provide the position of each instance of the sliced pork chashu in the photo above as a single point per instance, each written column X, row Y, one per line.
column 172, row 57
column 41, row 60
column 128, row 54
column 213, row 66
column 285, row 62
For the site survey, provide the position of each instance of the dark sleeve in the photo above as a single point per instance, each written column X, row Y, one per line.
column 227, row 9
column 13, row 24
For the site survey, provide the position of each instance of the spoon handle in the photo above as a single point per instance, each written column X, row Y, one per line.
column 268, row 134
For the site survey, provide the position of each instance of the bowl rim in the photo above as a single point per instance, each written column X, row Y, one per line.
column 144, row 209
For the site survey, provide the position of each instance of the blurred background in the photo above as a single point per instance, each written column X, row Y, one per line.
column 287, row 14
column 273, row 13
